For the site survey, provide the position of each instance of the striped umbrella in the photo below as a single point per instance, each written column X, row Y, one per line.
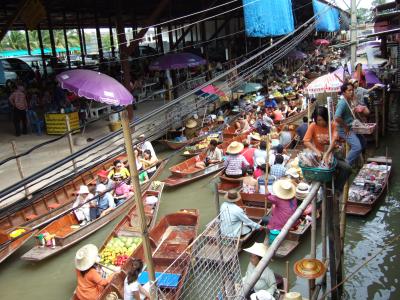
column 327, row 83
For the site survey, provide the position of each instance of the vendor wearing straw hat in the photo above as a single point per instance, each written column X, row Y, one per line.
column 234, row 221
column 235, row 162
column 190, row 129
column 90, row 283
column 265, row 287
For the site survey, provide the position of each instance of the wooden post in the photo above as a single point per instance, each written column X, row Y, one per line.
column 70, row 143
column 332, row 254
column 160, row 39
column 42, row 51
column 323, row 230
column 313, row 253
column 138, row 193
column 81, row 42
column 66, row 42
column 99, row 42
column 111, row 38
column 19, row 165
column 28, row 44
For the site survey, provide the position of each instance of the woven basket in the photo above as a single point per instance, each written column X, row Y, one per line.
column 369, row 128
column 318, row 174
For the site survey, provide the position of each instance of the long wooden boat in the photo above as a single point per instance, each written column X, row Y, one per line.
column 67, row 231
column 171, row 238
column 186, row 171
column 9, row 245
column 368, row 200
column 299, row 116
column 226, row 183
column 60, row 200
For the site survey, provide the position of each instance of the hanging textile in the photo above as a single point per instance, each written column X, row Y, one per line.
column 327, row 17
column 264, row 18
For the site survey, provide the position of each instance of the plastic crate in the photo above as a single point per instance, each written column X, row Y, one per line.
column 318, row 174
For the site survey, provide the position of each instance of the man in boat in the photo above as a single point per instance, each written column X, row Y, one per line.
column 105, row 202
column 213, row 156
column 265, row 287
column 102, row 178
column 234, row 221
column 302, row 129
column 190, row 129
column 145, row 145
column 242, row 125
column 82, row 212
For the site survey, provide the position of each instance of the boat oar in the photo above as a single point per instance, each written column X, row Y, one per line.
column 114, row 270
column 163, row 238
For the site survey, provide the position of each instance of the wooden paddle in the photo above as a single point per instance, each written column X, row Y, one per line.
column 163, row 238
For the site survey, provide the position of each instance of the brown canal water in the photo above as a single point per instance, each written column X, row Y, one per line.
column 55, row 278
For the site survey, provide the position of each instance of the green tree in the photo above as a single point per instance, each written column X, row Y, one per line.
column 364, row 14
column 13, row 40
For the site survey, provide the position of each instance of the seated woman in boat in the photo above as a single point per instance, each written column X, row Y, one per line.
column 90, row 283
column 105, row 202
column 234, row 221
column 191, row 129
column 278, row 169
column 132, row 288
column 317, row 140
column 277, row 115
column 143, row 177
column 285, row 136
column 119, row 168
column 278, row 149
column 266, row 284
column 270, row 104
column 260, row 153
column 122, row 190
column 149, row 162
column 249, row 185
column 235, row 162
column 241, row 125
column 284, row 202
column 293, row 108
column 82, row 212
column 102, row 177
column 213, row 156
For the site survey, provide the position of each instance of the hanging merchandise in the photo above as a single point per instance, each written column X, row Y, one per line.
column 327, row 17
column 268, row 17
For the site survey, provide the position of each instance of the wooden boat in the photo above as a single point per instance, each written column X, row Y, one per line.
column 186, row 171
column 299, row 116
column 58, row 201
column 170, row 237
column 67, row 231
column 226, row 183
column 50, row 204
column 362, row 208
column 199, row 147
column 9, row 245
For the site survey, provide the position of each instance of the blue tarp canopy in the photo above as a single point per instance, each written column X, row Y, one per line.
column 10, row 53
column 268, row 17
column 327, row 17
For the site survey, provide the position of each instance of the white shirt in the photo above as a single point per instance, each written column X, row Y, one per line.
column 129, row 289
column 148, row 146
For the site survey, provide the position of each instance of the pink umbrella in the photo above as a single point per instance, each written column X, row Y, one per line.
column 327, row 83
column 210, row 89
column 321, row 42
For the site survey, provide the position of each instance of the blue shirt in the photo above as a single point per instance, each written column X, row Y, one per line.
column 301, row 130
column 232, row 217
column 278, row 170
column 270, row 103
column 106, row 201
column 343, row 111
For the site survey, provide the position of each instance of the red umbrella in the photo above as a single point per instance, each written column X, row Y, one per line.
column 210, row 89
column 321, row 42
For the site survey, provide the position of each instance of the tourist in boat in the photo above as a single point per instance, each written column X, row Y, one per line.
column 234, row 221
column 293, row 108
column 248, row 152
column 235, row 162
column 90, row 283
column 102, row 177
column 105, row 202
column 143, row 177
column 278, row 149
column 265, row 287
column 191, row 129
column 145, row 145
column 270, row 104
column 213, row 156
column 261, row 152
column 149, row 162
column 285, row 136
column 283, row 108
column 302, row 129
column 120, row 169
column 344, row 119
column 242, row 125
column 277, row 115
column 278, row 169
column 82, row 205
column 249, row 185
column 132, row 288
column 122, row 190
column 284, row 202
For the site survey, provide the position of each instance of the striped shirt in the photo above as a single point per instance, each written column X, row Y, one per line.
column 278, row 170
column 18, row 100
column 234, row 164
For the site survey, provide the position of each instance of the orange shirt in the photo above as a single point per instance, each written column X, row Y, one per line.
column 319, row 136
column 91, row 285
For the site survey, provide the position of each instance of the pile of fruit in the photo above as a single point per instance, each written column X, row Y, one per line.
column 118, row 249
column 17, row 232
column 202, row 144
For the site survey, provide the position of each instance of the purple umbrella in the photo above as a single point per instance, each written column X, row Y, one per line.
column 96, row 86
column 370, row 76
column 175, row 61
column 296, row 54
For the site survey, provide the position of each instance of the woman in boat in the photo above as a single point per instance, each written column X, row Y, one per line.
column 249, row 182
column 293, row 108
column 82, row 212
column 132, row 288
column 191, row 129
column 242, row 125
column 90, row 284
column 260, row 153
column 266, row 284
column 122, row 190
column 248, row 151
column 119, row 168
column 235, row 162
column 149, row 162
column 143, row 177
column 213, row 155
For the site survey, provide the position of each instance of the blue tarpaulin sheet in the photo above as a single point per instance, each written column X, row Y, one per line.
column 327, row 17
column 268, row 17
column 165, row 280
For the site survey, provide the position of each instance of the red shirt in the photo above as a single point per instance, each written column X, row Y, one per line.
column 278, row 116
column 248, row 155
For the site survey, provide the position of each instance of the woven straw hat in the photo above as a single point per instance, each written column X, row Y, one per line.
column 293, row 296
column 284, row 189
column 292, row 172
column 235, row 148
column 232, row 196
column 191, row 124
column 258, row 249
column 309, row 268
column 86, row 257
column 255, row 136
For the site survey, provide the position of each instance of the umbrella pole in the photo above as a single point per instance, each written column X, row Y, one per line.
column 139, row 204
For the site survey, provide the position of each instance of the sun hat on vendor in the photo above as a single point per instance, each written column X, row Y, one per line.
column 255, row 136
column 261, row 295
column 83, row 189
column 232, row 196
column 284, row 189
column 258, row 249
column 86, row 257
column 293, row 296
column 191, row 124
column 292, row 172
column 234, row 148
